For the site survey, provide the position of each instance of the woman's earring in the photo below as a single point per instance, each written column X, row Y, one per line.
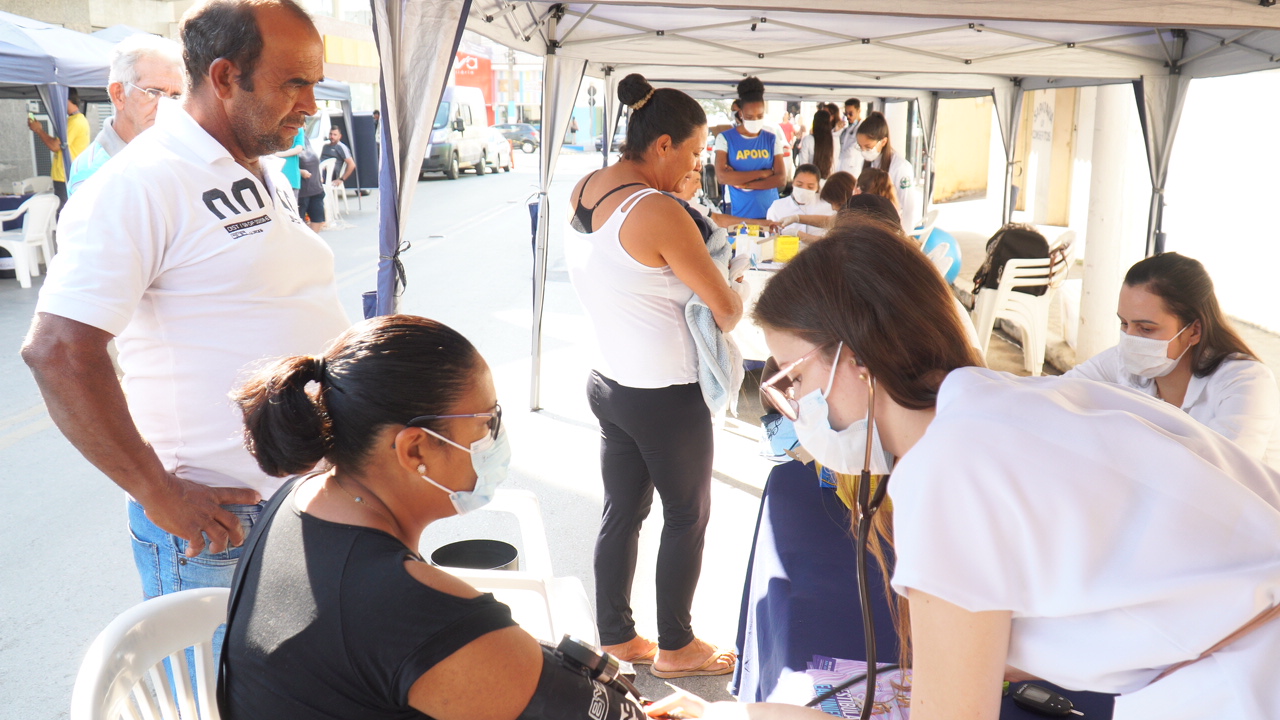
column 422, row 469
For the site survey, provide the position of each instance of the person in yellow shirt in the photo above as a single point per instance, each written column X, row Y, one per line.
column 77, row 141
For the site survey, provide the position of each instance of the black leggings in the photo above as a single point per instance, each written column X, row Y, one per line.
column 651, row 438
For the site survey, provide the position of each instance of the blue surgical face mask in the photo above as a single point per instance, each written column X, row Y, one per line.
column 780, row 435
column 490, row 458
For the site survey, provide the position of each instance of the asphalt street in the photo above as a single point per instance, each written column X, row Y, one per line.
column 65, row 562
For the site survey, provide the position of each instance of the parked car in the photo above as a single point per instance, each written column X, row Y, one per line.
column 618, row 138
column 497, row 151
column 458, row 134
column 523, row 135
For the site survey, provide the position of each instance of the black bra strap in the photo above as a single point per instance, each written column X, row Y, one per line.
column 582, row 215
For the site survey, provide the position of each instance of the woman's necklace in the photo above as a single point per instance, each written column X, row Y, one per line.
column 361, row 501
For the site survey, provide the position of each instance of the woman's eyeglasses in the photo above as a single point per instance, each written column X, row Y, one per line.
column 495, row 420
column 780, row 389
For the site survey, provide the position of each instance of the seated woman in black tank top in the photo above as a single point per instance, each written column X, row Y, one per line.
column 333, row 613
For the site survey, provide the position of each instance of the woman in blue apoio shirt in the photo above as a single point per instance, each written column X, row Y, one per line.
column 749, row 157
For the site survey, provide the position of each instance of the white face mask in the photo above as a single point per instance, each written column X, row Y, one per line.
column 1148, row 357
column 870, row 155
column 843, row 451
column 490, row 458
column 803, row 196
column 753, row 126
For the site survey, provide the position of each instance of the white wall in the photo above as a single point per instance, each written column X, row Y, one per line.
column 1224, row 191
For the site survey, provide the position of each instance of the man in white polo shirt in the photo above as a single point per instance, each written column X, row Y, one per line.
column 191, row 254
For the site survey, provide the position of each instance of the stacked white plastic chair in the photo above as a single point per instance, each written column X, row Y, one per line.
column 332, row 214
column 124, row 673
column 1030, row 313
column 547, row 607
column 33, row 242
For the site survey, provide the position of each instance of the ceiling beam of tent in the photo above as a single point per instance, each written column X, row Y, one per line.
column 504, row 10
column 561, row 79
column 1168, row 13
column 417, row 43
column 1225, row 44
column 581, row 16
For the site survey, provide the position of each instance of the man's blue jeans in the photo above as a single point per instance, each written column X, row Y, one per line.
column 163, row 564
column 164, row 567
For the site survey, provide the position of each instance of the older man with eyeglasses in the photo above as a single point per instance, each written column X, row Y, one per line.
column 144, row 68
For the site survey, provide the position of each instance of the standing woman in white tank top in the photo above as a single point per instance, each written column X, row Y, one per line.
column 635, row 258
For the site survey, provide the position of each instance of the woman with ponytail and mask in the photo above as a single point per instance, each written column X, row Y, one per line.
column 333, row 612
column 1177, row 345
column 636, row 258
column 749, row 157
column 877, row 152
column 1045, row 527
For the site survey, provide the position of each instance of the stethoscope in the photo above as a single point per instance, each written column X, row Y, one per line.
column 868, row 504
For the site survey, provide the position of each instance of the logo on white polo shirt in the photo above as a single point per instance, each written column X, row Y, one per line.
column 213, row 197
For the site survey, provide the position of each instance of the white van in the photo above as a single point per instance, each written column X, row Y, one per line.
column 458, row 134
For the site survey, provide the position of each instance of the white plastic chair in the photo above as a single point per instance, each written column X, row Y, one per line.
column 926, row 228
column 546, row 607
column 38, row 184
column 34, row 240
column 333, row 214
column 124, row 674
column 1029, row 312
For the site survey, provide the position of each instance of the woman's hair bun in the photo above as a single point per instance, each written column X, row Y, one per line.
column 751, row 90
column 633, row 88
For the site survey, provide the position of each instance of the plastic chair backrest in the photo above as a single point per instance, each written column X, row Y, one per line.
column 125, row 664
column 326, row 170
column 42, row 213
column 39, row 184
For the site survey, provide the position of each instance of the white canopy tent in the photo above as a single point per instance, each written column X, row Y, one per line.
column 922, row 51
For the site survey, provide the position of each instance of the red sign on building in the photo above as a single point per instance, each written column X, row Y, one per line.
column 477, row 72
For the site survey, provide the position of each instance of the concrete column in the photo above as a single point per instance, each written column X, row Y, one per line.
column 1103, row 264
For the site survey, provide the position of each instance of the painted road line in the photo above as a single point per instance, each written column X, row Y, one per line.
column 25, row 431
column 22, row 417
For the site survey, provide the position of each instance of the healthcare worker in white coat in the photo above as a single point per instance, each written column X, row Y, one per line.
column 877, row 152
column 803, row 200
column 1049, row 527
column 1177, row 345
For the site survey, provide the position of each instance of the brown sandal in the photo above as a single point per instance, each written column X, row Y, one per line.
column 729, row 659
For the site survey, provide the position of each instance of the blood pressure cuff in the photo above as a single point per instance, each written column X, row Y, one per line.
column 565, row 693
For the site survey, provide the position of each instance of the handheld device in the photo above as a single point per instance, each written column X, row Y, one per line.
column 1043, row 701
column 31, row 117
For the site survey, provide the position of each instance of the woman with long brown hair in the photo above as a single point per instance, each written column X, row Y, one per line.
column 819, row 146
column 1176, row 344
column 878, row 153
column 1042, row 527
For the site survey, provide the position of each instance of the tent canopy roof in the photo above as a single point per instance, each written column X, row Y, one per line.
column 78, row 60
column 878, row 46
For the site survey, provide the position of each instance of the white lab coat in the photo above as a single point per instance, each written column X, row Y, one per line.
column 1239, row 400
column 1122, row 535
column 903, row 177
column 787, row 206
column 850, row 154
